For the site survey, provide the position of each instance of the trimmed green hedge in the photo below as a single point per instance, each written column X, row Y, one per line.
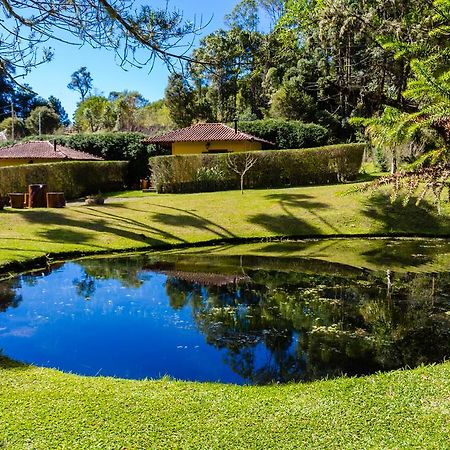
column 74, row 178
column 287, row 134
column 278, row 168
column 117, row 146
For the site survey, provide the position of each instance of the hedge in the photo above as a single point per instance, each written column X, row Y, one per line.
column 118, row 146
column 287, row 134
column 74, row 178
column 278, row 168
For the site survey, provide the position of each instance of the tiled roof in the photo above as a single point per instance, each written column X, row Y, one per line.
column 205, row 132
column 35, row 150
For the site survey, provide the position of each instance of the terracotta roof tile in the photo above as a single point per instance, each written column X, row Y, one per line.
column 205, row 132
column 35, row 150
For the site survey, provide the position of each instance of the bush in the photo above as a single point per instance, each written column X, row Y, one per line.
column 286, row 134
column 112, row 147
column 278, row 168
column 74, row 178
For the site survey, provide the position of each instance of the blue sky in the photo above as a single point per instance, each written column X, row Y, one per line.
column 52, row 78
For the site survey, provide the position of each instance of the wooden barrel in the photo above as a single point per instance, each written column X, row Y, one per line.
column 56, row 200
column 17, row 200
column 37, row 195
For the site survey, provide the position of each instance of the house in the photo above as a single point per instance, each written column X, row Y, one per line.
column 41, row 152
column 209, row 138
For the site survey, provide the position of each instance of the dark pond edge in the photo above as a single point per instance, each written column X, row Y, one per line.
column 14, row 268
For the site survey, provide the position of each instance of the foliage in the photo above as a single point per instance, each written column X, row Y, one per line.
column 55, row 103
column 92, row 114
column 429, row 92
column 112, row 147
column 42, row 119
column 270, row 168
column 137, row 34
column 20, row 130
column 81, row 81
column 74, row 178
column 124, row 106
column 155, row 115
column 179, row 101
column 286, row 134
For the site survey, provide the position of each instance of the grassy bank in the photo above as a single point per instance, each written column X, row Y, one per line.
column 46, row 409
column 161, row 220
column 42, row 409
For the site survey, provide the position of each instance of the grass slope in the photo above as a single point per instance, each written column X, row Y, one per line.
column 46, row 409
column 158, row 220
column 42, row 409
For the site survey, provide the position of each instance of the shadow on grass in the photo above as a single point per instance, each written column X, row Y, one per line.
column 81, row 230
column 405, row 219
column 180, row 217
column 288, row 223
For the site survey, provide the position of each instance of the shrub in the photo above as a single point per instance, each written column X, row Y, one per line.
column 74, row 178
column 112, row 147
column 286, row 134
column 278, row 168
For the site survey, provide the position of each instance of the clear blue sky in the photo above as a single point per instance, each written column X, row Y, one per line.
column 52, row 78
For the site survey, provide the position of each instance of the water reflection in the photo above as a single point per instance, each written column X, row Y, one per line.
column 243, row 319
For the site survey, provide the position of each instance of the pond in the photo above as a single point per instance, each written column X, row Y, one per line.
column 250, row 314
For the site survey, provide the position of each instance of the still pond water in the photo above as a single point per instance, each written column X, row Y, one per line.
column 252, row 314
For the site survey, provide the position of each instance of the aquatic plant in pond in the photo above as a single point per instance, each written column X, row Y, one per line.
column 213, row 316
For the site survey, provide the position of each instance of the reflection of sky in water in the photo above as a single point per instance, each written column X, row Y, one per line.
column 122, row 332
column 308, row 323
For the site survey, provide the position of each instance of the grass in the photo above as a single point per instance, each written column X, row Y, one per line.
column 43, row 409
column 46, row 409
column 161, row 220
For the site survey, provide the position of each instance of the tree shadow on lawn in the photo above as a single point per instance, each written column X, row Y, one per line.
column 288, row 223
column 405, row 219
column 63, row 229
column 183, row 218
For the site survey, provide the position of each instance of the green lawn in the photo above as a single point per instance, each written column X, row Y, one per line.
column 160, row 220
column 47, row 409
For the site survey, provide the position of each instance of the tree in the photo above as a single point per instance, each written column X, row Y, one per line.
column 179, row 99
column 42, row 120
column 429, row 92
column 20, row 130
column 241, row 166
column 137, row 34
column 125, row 106
column 81, row 81
column 55, row 103
column 92, row 114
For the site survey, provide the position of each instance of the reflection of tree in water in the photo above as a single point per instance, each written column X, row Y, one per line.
column 8, row 294
column 313, row 326
column 124, row 270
